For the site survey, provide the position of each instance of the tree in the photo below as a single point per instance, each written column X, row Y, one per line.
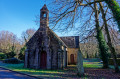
column 12, row 53
column 112, row 49
column 70, row 12
column 22, row 53
column 102, row 43
column 115, row 8
column 26, row 35
column 8, row 40
column 2, row 56
column 89, row 47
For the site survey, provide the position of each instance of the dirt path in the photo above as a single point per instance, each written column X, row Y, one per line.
column 7, row 74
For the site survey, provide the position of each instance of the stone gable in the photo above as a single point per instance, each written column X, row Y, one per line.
column 45, row 50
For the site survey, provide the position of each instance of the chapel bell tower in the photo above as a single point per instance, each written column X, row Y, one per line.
column 44, row 16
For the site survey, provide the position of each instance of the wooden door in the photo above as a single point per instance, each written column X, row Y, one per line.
column 72, row 58
column 43, row 60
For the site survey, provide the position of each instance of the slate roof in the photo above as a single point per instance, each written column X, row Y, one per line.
column 68, row 41
column 71, row 41
column 37, row 37
column 58, row 37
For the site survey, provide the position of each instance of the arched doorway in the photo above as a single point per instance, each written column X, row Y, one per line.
column 43, row 60
column 72, row 59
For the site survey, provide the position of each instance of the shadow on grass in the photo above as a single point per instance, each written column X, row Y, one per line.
column 52, row 74
column 92, row 70
column 70, row 72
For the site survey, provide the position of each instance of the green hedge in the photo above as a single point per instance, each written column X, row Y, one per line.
column 2, row 56
column 12, row 61
column 112, row 63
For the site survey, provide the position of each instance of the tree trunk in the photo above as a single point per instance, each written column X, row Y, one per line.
column 112, row 49
column 80, row 63
column 102, row 43
column 114, row 6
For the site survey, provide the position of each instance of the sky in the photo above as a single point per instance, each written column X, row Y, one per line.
column 19, row 15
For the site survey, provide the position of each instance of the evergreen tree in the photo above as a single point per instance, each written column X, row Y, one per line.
column 12, row 53
column 22, row 53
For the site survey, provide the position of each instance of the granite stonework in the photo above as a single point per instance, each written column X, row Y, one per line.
column 45, row 50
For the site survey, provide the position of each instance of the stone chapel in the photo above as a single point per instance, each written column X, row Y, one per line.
column 45, row 50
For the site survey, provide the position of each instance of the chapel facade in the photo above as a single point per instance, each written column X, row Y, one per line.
column 45, row 50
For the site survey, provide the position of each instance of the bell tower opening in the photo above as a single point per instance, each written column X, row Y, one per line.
column 44, row 16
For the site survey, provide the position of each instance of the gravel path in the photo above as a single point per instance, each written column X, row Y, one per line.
column 7, row 74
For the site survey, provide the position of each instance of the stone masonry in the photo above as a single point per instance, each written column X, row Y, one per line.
column 45, row 50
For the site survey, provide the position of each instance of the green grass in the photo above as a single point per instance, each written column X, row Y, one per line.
column 88, row 63
column 33, row 72
column 20, row 68
column 92, row 63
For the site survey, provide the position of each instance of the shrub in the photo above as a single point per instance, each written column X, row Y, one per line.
column 12, row 61
column 21, row 56
column 112, row 63
column 22, row 53
column 2, row 55
column 11, row 54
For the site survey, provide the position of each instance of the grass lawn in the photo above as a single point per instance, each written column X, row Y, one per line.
column 34, row 72
column 92, row 63
column 65, row 73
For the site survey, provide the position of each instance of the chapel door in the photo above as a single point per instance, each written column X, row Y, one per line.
column 72, row 58
column 43, row 60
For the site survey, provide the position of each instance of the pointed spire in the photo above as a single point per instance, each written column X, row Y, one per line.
column 44, row 7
